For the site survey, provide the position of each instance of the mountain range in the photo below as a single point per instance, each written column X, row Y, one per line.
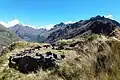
column 94, row 25
column 27, row 33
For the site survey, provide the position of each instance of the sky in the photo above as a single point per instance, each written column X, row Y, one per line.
column 46, row 13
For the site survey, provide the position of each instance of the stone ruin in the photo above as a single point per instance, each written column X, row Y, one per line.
column 26, row 63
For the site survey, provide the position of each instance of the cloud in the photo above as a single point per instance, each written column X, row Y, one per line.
column 48, row 27
column 109, row 16
column 112, row 17
column 16, row 21
column 10, row 23
column 33, row 26
column 69, row 22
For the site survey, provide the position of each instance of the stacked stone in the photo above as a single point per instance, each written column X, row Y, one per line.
column 26, row 63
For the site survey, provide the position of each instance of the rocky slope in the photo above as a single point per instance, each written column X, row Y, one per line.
column 95, row 25
column 6, row 37
column 27, row 33
column 42, row 37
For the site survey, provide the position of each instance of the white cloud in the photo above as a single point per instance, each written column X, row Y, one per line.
column 16, row 21
column 68, row 22
column 33, row 26
column 10, row 23
column 4, row 23
column 48, row 27
column 109, row 16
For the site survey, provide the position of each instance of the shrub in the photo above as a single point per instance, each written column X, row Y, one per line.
column 93, row 37
column 64, row 42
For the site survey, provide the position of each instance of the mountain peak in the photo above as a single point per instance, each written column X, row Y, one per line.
column 60, row 25
column 18, row 25
column 98, row 17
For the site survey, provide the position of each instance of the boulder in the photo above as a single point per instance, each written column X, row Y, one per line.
column 47, row 45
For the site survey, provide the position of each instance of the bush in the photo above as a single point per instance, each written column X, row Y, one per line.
column 64, row 42
column 93, row 37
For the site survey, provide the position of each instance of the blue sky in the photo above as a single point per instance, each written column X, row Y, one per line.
column 43, row 12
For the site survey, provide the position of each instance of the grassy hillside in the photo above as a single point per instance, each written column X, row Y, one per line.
column 93, row 58
column 6, row 37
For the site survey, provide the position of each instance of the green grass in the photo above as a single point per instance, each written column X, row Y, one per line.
column 93, row 37
column 12, row 74
column 65, row 42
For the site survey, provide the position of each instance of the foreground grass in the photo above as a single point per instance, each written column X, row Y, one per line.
column 95, row 60
column 12, row 74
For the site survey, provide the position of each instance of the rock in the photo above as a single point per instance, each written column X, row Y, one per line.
column 60, row 47
column 48, row 53
column 46, row 45
column 26, row 63
column 62, row 56
column 37, row 47
column 68, row 48
column 27, row 51
column 55, row 56
column 74, row 44
column 53, row 45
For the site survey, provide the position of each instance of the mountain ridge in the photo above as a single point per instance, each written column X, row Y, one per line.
column 26, row 33
column 94, row 25
column 6, row 37
column 66, row 31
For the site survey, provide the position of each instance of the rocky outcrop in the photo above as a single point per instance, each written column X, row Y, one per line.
column 26, row 63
